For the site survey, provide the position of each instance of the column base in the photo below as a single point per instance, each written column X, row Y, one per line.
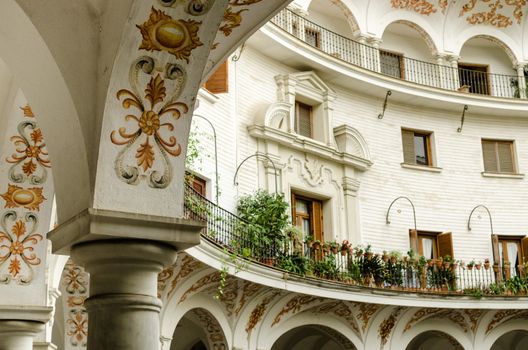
column 44, row 346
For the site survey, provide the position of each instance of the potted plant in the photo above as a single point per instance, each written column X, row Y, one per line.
column 464, row 88
column 486, row 264
column 345, row 247
column 368, row 253
column 439, row 262
column 478, row 265
column 470, row 265
column 496, row 268
column 385, row 256
column 447, row 261
column 395, row 256
column 326, row 247
column 334, row 247
column 316, row 244
column 309, row 241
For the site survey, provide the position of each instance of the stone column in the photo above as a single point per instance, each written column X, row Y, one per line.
column 440, row 63
column 18, row 334
column 455, row 83
column 522, row 81
column 124, row 252
column 374, row 55
column 20, row 325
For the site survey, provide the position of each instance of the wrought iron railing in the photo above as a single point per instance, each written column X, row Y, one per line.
column 397, row 66
column 357, row 266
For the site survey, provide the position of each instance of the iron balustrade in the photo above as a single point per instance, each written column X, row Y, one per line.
column 235, row 235
column 395, row 65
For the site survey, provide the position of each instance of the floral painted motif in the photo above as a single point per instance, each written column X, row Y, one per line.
column 27, row 198
column 152, row 133
column 385, row 328
column 243, row 2
column 74, row 287
column 163, row 33
column 30, row 153
column 78, row 327
column 231, row 20
column 27, row 111
column 17, row 246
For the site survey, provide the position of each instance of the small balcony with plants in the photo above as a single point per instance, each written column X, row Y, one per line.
column 261, row 233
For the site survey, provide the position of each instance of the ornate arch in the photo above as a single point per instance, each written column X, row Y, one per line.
column 498, row 37
column 431, row 38
column 41, row 80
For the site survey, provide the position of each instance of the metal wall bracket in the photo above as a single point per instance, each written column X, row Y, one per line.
column 463, row 117
column 382, row 114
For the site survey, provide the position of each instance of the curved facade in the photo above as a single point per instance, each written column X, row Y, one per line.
column 394, row 131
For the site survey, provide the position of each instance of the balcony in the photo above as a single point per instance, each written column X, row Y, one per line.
column 349, row 269
column 424, row 73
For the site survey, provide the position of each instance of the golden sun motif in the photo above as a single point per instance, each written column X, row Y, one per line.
column 18, row 197
column 163, row 33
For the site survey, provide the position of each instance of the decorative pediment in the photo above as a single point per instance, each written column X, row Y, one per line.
column 307, row 84
column 278, row 116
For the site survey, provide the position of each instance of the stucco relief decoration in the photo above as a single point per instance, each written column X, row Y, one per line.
column 422, row 7
column 74, row 287
column 295, row 305
column 30, row 158
column 176, row 36
column 186, row 266
column 213, row 329
column 149, row 128
column 17, row 247
column 497, row 13
column 386, row 327
column 258, row 312
column 366, row 311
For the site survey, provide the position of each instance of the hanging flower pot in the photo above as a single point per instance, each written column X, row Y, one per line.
column 344, row 252
column 368, row 255
column 486, row 264
column 316, row 245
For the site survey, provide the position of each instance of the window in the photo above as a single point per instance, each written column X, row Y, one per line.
column 307, row 214
column 417, row 147
column 303, row 119
column 432, row 245
column 197, row 183
column 475, row 76
column 312, row 37
column 498, row 156
column 392, row 64
column 217, row 82
column 512, row 251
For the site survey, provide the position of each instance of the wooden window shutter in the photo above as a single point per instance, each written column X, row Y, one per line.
column 524, row 251
column 413, row 236
column 490, row 156
column 495, row 247
column 303, row 119
column 445, row 244
column 317, row 220
column 505, row 152
column 409, row 156
column 217, row 83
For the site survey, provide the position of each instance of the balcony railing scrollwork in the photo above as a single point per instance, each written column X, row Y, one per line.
column 476, row 81
column 340, row 263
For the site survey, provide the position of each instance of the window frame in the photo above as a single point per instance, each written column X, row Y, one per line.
column 428, row 135
column 503, row 240
column 310, row 215
column 416, row 236
column 515, row 170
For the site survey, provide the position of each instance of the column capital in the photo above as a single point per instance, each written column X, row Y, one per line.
column 96, row 224
column 350, row 186
column 375, row 42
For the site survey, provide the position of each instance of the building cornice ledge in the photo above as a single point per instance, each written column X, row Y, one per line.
column 309, row 146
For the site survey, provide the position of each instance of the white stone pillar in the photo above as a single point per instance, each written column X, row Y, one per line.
column 455, row 79
column 374, row 55
column 18, row 334
column 522, row 81
column 123, row 252
column 440, row 63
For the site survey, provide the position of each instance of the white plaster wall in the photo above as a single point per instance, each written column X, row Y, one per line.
column 443, row 200
column 332, row 20
column 409, row 45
